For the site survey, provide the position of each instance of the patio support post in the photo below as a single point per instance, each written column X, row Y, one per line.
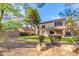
column 64, row 32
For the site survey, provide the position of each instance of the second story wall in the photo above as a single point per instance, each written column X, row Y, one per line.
column 55, row 23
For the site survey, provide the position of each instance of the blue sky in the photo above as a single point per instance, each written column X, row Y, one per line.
column 51, row 11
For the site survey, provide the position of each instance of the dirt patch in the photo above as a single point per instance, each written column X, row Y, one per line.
column 53, row 51
column 29, row 49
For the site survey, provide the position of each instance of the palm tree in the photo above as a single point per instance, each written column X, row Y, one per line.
column 6, row 7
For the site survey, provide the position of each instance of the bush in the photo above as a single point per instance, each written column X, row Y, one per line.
column 59, row 38
column 41, row 38
column 56, row 38
column 23, row 34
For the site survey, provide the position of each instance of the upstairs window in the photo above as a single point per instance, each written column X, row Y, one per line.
column 58, row 23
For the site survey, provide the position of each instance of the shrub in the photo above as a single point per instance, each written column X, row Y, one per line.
column 59, row 38
column 23, row 34
column 41, row 38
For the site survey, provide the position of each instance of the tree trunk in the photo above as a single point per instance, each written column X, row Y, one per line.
column 1, row 14
column 1, row 19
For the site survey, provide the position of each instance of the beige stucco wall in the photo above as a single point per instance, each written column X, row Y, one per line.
column 52, row 24
column 48, row 24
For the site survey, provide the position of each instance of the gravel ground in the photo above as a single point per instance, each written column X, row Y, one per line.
column 31, row 51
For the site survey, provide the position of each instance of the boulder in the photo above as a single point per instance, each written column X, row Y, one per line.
column 76, row 50
column 41, row 47
column 68, row 48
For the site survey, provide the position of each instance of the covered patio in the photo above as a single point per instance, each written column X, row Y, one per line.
column 59, row 31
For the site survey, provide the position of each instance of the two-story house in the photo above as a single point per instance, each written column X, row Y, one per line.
column 54, row 27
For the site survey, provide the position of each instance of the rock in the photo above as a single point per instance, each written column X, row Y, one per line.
column 68, row 48
column 41, row 47
column 1, row 51
column 76, row 50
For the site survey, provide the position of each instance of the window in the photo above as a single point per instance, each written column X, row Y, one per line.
column 59, row 31
column 58, row 23
column 51, row 32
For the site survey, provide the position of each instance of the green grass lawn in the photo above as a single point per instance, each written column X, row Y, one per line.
column 66, row 40
column 29, row 37
column 35, row 39
column 32, row 39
